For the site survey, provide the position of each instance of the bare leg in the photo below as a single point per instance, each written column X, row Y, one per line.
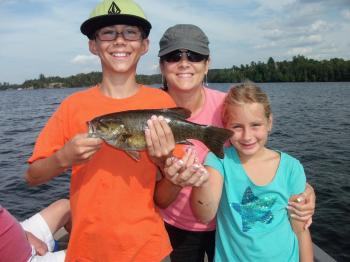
column 57, row 215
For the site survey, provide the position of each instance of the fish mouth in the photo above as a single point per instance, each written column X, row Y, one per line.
column 91, row 129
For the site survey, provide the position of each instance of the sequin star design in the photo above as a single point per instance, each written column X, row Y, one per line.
column 253, row 209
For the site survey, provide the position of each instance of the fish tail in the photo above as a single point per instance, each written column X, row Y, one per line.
column 215, row 138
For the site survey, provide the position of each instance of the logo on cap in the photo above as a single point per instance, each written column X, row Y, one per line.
column 114, row 9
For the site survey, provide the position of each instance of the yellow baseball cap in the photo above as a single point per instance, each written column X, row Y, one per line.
column 112, row 12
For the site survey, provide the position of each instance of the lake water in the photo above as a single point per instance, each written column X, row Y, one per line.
column 311, row 122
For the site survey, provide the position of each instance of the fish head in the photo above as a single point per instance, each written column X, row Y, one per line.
column 112, row 130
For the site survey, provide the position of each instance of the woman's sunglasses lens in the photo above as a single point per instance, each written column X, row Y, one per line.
column 191, row 56
column 173, row 58
column 194, row 57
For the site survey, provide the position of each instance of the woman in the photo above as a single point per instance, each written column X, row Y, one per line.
column 184, row 63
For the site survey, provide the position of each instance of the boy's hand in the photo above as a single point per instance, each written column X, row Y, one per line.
column 302, row 207
column 39, row 246
column 78, row 150
column 186, row 171
column 160, row 140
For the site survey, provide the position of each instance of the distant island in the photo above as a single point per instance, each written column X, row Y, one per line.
column 300, row 69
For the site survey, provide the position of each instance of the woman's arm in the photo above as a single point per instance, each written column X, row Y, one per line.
column 205, row 199
column 304, row 207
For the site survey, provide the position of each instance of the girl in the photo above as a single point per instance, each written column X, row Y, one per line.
column 249, row 189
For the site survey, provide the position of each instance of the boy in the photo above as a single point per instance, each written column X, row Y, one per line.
column 113, row 213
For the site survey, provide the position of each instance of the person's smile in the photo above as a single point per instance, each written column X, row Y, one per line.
column 184, row 75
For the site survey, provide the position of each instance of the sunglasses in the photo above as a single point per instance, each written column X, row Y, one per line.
column 191, row 56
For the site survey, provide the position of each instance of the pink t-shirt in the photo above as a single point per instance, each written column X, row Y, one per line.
column 14, row 245
column 179, row 213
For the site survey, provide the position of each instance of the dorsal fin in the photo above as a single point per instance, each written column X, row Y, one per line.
column 178, row 112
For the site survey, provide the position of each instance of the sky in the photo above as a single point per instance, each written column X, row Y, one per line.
column 43, row 36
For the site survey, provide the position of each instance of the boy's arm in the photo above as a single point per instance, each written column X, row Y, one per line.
column 78, row 150
column 206, row 198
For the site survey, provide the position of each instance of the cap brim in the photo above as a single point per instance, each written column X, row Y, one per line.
column 187, row 46
column 90, row 26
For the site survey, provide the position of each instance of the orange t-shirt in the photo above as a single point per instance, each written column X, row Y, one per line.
column 114, row 216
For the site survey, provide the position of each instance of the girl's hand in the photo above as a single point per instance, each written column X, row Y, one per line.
column 39, row 246
column 302, row 207
column 186, row 171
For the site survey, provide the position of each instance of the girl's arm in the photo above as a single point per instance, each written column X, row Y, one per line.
column 176, row 174
column 303, row 235
column 206, row 198
column 305, row 241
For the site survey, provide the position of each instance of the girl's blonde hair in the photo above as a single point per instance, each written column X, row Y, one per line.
column 246, row 92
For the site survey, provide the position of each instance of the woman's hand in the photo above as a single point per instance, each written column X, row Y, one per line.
column 302, row 207
column 159, row 139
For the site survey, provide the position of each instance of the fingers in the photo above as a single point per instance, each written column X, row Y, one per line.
column 185, row 171
column 173, row 167
column 159, row 137
column 42, row 249
column 79, row 149
column 299, row 215
column 299, row 203
column 310, row 195
column 308, row 223
column 200, row 177
column 300, row 210
column 297, row 198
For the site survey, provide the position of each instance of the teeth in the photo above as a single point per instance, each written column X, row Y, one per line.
column 185, row 75
column 120, row 54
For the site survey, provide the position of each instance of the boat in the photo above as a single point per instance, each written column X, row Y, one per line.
column 320, row 255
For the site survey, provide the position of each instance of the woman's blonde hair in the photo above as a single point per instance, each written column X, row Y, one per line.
column 247, row 92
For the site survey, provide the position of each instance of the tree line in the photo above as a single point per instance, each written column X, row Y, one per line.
column 300, row 69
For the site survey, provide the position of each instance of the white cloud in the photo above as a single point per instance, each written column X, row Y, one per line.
column 85, row 59
column 346, row 14
column 319, row 26
column 299, row 51
column 310, row 39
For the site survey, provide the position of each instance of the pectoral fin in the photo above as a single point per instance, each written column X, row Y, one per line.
column 134, row 154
